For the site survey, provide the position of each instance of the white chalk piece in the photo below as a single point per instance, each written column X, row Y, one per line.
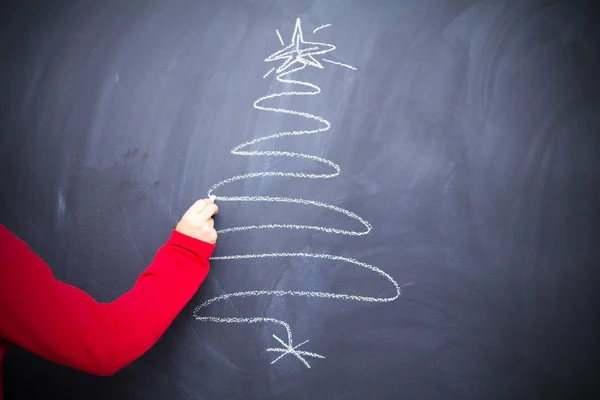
column 212, row 197
column 294, row 59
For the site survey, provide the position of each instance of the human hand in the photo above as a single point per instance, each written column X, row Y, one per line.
column 198, row 223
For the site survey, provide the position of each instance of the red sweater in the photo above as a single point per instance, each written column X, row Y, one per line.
column 63, row 324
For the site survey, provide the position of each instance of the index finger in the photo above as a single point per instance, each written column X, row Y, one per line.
column 198, row 206
column 209, row 211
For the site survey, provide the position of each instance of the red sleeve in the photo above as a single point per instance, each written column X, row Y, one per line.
column 63, row 324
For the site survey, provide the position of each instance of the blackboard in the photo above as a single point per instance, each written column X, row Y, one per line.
column 423, row 213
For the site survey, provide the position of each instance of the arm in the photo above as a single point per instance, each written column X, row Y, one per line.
column 65, row 325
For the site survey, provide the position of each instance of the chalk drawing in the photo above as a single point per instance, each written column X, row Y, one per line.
column 321, row 27
column 340, row 64
column 269, row 73
column 294, row 58
column 279, row 36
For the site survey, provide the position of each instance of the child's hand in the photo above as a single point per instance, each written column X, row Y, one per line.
column 198, row 223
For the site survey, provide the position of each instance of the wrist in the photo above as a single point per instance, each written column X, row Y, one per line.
column 197, row 246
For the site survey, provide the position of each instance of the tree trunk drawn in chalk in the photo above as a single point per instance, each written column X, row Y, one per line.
column 298, row 55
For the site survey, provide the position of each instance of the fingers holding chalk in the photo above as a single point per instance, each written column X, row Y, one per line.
column 198, row 221
column 208, row 211
column 201, row 204
column 198, row 206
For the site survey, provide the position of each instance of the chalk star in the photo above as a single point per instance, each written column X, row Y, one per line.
column 289, row 348
column 300, row 51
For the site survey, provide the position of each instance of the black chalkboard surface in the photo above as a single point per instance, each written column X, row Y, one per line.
column 408, row 190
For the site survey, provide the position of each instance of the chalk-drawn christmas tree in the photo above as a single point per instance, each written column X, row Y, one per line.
column 296, row 56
